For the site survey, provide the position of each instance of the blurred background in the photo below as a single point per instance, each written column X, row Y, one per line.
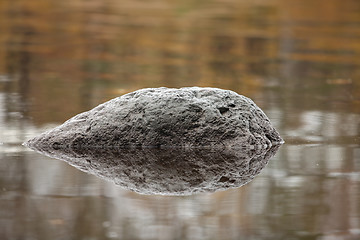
column 298, row 60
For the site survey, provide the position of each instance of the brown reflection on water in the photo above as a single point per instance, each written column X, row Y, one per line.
column 106, row 48
column 299, row 60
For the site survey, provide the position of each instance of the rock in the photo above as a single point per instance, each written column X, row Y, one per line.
column 190, row 117
column 167, row 141
column 168, row 171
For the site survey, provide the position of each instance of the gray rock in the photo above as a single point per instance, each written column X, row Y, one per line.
column 168, row 171
column 191, row 117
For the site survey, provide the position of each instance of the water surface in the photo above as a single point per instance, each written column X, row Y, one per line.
column 298, row 60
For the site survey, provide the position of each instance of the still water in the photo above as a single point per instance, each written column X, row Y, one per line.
column 298, row 60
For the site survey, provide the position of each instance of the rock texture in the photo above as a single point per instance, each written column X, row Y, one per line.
column 165, row 117
column 168, row 171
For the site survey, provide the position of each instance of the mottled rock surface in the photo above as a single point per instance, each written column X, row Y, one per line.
column 166, row 117
column 168, row 171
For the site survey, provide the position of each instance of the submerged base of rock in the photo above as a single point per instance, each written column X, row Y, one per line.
column 168, row 171
column 191, row 117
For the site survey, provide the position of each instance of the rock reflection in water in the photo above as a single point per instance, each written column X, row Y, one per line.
column 168, row 171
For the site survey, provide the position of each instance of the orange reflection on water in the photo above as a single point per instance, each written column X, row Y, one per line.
column 299, row 60
column 238, row 45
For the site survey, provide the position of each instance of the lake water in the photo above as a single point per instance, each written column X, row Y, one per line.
column 298, row 60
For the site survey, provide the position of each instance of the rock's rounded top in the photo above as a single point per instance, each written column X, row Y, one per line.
column 190, row 117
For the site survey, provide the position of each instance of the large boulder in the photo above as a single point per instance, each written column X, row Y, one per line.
column 192, row 117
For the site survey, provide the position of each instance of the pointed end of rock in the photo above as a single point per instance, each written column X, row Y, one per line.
column 29, row 144
column 25, row 144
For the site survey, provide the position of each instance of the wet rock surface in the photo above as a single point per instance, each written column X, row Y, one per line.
column 166, row 117
column 168, row 171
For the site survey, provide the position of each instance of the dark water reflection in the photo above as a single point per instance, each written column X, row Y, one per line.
column 170, row 171
column 299, row 60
